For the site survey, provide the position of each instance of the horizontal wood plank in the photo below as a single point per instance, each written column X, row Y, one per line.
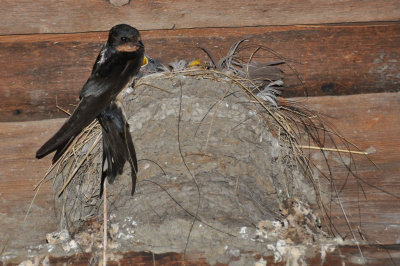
column 374, row 255
column 68, row 16
column 371, row 123
column 45, row 69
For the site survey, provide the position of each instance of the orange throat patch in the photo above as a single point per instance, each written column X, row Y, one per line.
column 128, row 47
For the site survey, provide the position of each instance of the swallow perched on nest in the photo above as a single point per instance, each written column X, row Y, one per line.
column 115, row 68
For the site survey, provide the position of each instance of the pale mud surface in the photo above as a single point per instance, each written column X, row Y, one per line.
column 204, row 150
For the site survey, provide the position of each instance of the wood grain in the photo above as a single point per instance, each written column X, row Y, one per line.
column 45, row 69
column 20, row 171
column 374, row 254
column 68, row 16
column 369, row 120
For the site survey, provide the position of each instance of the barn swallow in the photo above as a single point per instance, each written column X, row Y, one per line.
column 116, row 66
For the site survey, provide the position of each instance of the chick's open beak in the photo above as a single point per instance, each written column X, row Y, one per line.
column 145, row 61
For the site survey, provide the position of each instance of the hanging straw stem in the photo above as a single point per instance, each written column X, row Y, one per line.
column 105, row 225
column 331, row 149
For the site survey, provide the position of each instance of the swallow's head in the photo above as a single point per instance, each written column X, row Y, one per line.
column 125, row 38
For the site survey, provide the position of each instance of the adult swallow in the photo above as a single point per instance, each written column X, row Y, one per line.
column 116, row 66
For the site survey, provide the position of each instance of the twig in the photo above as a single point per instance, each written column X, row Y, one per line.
column 348, row 222
column 183, row 208
column 62, row 109
column 190, row 173
column 213, row 117
column 153, row 86
column 105, row 225
column 78, row 166
column 331, row 149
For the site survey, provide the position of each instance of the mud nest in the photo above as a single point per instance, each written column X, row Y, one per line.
column 213, row 162
column 226, row 167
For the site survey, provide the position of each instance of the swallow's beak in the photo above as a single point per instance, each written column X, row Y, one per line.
column 139, row 44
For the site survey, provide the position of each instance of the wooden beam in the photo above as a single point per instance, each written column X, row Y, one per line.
column 374, row 254
column 370, row 122
column 27, row 17
column 41, row 70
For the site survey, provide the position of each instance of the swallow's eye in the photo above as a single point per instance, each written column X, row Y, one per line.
column 124, row 39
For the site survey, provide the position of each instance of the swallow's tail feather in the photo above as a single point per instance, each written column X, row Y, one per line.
column 131, row 157
column 117, row 145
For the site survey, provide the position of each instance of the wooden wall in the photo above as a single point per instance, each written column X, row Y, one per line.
column 72, row 16
column 332, row 59
column 347, row 50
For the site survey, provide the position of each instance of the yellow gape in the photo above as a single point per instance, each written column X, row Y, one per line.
column 145, row 61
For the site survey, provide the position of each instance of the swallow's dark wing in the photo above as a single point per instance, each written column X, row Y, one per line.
column 103, row 85
column 61, row 149
column 117, row 145
column 87, row 110
column 113, row 75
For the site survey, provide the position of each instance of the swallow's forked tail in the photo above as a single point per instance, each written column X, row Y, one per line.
column 117, row 145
